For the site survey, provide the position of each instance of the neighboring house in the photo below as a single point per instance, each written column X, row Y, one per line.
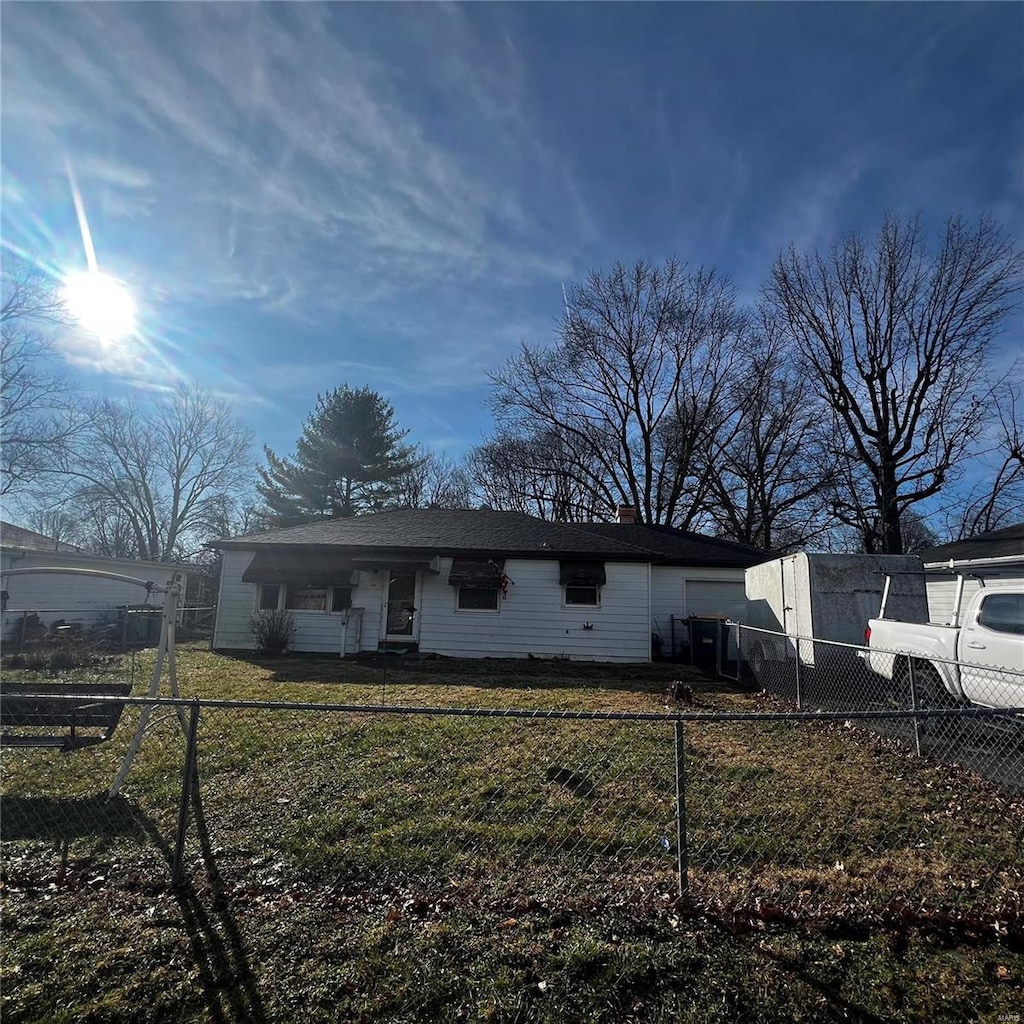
column 998, row 554
column 71, row 599
column 478, row 583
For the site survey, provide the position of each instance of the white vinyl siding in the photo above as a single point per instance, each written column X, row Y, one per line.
column 681, row 591
column 318, row 631
column 533, row 620
column 942, row 590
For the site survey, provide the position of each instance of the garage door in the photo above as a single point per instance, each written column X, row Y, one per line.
column 714, row 597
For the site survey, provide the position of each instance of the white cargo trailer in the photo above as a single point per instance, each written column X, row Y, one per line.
column 828, row 597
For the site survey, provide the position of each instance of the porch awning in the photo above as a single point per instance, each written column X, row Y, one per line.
column 581, row 574
column 300, row 568
column 476, row 573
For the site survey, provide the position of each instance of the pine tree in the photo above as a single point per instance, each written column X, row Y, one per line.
column 349, row 460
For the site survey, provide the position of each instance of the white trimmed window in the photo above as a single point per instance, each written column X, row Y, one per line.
column 581, row 582
column 478, row 583
column 272, row 596
column 583, row 595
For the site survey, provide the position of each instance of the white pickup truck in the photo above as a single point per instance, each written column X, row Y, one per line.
column 979, row 659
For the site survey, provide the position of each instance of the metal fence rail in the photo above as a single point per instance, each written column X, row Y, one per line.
column 799, row 810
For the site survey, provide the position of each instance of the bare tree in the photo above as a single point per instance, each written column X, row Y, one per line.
column 898, row 344
column 38, row 410
column 634, row 388
column 771, row 482
column 544, row 476
column 999, row 500
column 433, row 481
column 58, row 524
column 155, row 480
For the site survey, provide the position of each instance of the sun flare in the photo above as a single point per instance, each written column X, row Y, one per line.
column 101, row 304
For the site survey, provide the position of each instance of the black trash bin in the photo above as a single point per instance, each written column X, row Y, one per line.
column 704, row 640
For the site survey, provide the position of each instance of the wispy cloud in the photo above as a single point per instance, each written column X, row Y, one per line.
column 289, row 165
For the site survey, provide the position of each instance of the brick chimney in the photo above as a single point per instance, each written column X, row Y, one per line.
column 625, row 514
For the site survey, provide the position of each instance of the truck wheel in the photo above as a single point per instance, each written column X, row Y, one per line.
column 931, row 693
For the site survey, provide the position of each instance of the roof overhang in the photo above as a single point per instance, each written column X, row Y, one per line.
column 323, row 567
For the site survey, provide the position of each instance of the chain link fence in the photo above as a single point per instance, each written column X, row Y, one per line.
column 828, row 676
column 800, row 810
column 284, row 819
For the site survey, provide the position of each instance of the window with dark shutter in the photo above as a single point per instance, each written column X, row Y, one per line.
column 581, row 574
column 479, row 583
column 582, row 581
column 476, row 573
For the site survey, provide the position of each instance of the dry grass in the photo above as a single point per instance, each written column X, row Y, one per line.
column 391, row 868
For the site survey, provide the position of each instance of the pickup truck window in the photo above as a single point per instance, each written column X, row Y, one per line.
column 1003, row 613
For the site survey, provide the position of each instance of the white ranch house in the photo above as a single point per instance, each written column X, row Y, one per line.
column 478, row 583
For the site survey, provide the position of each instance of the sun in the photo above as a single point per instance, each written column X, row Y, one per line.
column 100, row 304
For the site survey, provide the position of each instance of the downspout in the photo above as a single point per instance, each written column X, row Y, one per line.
column 650, row 620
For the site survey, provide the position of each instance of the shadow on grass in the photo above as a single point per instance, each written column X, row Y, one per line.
column 225, row 976
column 839, row 1006
column 219, row 950
column 67, row 818
column 486, row 673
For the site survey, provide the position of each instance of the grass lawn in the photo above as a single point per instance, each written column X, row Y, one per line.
column 403, row 867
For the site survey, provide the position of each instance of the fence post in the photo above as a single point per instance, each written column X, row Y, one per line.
column 913, row 704
column 24, row 626
column 799, row 694
column 682, row 857
column 186, row 792
column 739, row 652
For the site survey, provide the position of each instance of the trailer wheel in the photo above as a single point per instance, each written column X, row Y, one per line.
column 758, row 665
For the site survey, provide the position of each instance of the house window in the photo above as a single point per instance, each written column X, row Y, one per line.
column 306, row 599
column 582, row 581
column 478, row 583
column 302, row 599
column 477, row 599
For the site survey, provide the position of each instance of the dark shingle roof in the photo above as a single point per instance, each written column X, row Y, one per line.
column 12, row 536
column 1003, row 543
column 682, row 545
column 459, row 531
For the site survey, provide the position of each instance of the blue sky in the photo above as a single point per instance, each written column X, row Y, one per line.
column 392, row 195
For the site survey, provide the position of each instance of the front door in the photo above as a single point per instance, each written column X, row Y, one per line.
column 401, row 605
